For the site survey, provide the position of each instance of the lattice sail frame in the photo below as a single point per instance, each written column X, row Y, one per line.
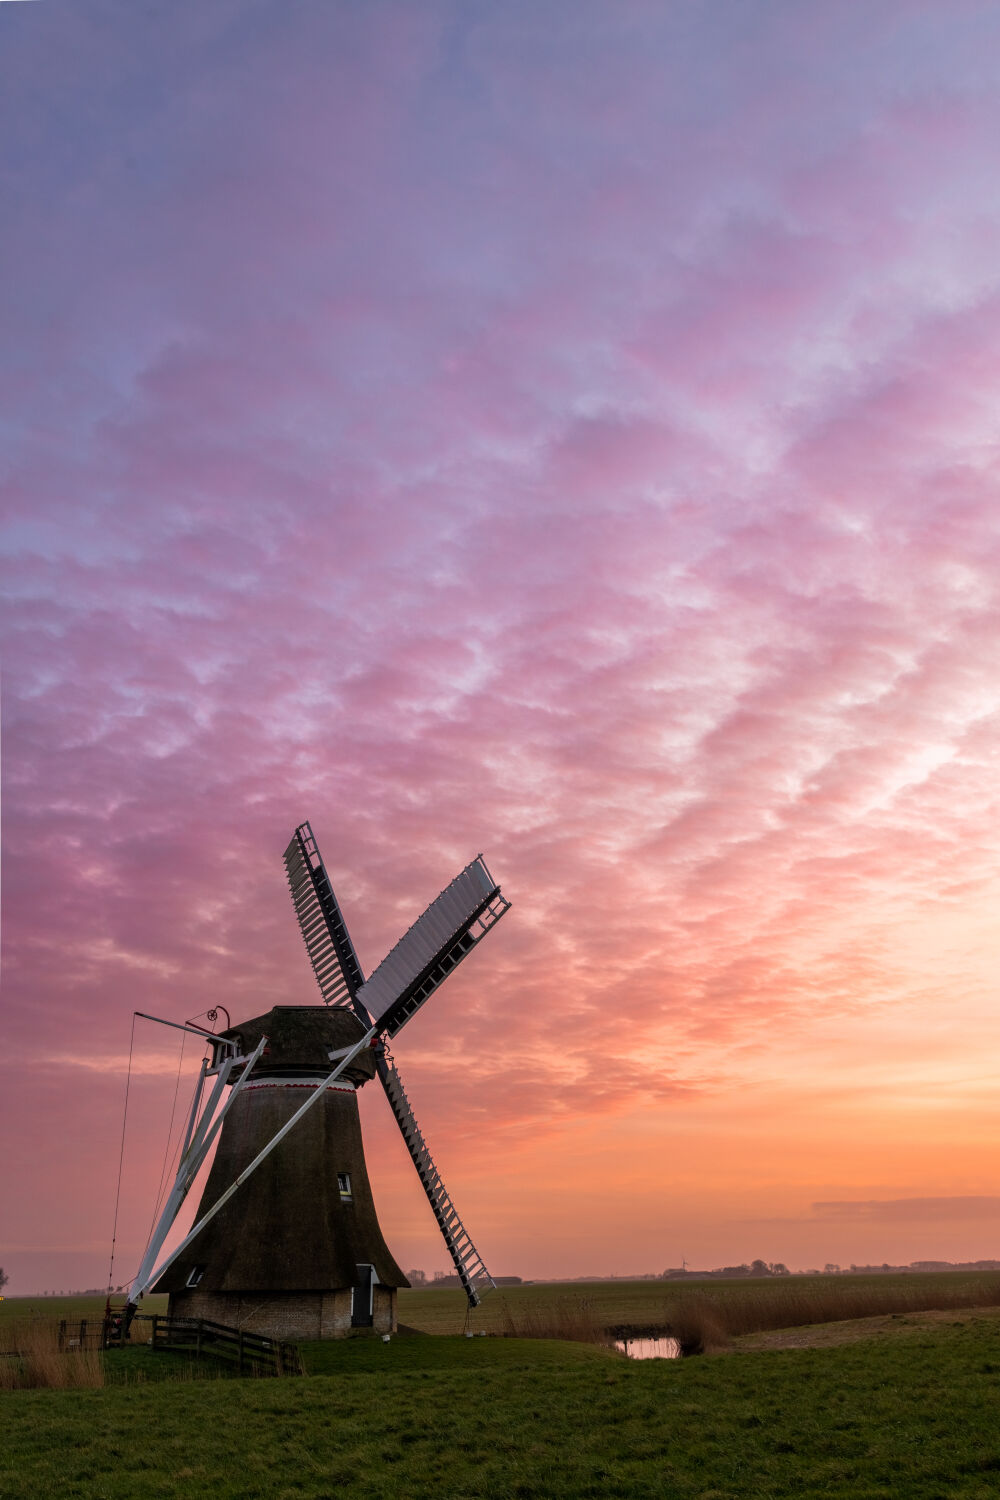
column 327, row 940
column 441, row 937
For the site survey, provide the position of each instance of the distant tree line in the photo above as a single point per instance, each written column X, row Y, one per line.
column 778, row 1268
column 885, row 1269
column 733, row 1273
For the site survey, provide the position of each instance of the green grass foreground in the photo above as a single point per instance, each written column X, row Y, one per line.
column 911, row 1415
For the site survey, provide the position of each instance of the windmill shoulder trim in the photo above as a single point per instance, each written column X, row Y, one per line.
column 343, row 1085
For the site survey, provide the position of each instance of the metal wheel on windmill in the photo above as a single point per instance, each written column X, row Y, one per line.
column 287, row 1241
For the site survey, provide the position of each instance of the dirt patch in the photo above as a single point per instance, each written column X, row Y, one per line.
column 854, row 1330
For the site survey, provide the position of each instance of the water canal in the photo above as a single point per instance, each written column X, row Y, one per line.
column 661, row 1348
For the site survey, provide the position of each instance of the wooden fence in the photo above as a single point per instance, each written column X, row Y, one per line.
column 251, row 1353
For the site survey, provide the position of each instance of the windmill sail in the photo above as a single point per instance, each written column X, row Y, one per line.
column 469, row 1263
column 436, row 943
column 328, row 942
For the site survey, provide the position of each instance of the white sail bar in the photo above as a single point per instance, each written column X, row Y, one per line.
column 449, row 929
column 469, row 1263
column 327, row 940
column 193, row 1117
column 199, row 1140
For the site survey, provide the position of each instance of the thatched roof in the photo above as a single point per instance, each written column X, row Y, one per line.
column 300, row 1039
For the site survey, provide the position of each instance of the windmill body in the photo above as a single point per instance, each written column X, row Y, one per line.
column 298, row 1252
column 287, row 1241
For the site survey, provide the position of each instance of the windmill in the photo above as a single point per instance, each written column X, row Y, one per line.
column 287, row 1241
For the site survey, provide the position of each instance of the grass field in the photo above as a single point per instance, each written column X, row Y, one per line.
column 68, row 1307
column 903, row 1404
column 913, row 1414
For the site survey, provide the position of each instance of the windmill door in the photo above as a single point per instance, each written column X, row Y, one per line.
column 362, row 1298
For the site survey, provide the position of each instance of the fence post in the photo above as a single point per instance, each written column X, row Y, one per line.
column 83, row 1332
column 156, row 1319
column 239, row 1357
column 62, row 1333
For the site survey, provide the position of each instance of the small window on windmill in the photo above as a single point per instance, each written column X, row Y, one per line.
column 344, row 1186
column 197, row 1272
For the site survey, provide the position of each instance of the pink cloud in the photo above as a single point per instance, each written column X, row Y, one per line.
column 571, row 442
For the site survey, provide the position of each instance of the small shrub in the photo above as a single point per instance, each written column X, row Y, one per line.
column 699, row 1325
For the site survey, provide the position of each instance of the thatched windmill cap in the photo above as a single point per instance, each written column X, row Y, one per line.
column 300, row 1039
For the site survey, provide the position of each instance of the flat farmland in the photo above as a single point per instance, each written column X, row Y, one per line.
column 911, row 1413
column 86, row 1305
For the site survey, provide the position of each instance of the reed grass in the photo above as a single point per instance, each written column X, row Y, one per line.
column 702, row 1316
column 832, row 1301
column 699, row 1326
column 575, row 1320
column 707, row 1321
column 30, row 1358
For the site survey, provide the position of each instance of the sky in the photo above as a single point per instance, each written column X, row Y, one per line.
column 567, row 432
